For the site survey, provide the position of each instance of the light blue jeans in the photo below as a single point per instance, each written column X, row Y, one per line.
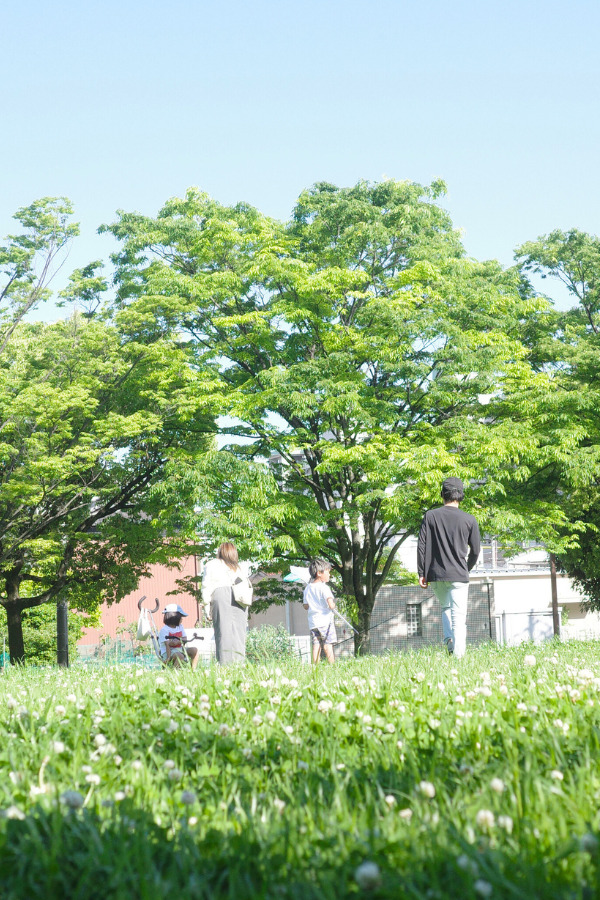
column 453, row 597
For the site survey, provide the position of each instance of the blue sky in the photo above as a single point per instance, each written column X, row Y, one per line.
column 123, row 105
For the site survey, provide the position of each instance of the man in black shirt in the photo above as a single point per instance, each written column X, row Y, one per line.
column 447, row 534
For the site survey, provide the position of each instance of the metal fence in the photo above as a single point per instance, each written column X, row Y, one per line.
column 407, row 618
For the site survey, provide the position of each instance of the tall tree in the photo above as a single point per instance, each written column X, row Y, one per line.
column 357, row 350
column 91, row 420
column 567, row 346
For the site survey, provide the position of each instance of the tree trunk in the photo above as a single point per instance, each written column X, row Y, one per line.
column 362, row 640
column 15, row 632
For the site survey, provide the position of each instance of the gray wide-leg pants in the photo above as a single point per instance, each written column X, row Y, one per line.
column 230, row 621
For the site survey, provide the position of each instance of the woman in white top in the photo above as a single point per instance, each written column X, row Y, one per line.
column 230, row 620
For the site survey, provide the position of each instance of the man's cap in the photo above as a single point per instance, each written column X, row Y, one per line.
column 453, row 484
column 174, row 608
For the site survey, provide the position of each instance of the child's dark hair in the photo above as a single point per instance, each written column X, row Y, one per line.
column 316, row 566
column 172, row 619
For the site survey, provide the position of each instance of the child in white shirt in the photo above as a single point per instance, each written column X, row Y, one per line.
column 319, row 601
column 171, row 638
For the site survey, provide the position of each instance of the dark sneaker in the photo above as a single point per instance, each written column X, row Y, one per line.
column 450, row 645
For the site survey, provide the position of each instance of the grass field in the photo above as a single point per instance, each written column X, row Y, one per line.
column 406, row 776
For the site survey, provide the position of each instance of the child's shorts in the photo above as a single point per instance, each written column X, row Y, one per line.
column 322, row 636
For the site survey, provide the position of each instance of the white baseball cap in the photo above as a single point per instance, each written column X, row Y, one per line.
column 174, row 608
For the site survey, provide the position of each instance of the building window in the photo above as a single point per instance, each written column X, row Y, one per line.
column 414, row 620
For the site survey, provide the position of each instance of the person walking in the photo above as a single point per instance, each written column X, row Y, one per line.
column 448, row 548
column 230, row 619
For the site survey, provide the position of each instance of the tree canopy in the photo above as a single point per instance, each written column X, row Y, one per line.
column 91, row 420
column 360, row 357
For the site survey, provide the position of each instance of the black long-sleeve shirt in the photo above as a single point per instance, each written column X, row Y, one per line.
column 447, row 534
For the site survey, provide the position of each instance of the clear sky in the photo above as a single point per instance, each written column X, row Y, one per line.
column 125, row 104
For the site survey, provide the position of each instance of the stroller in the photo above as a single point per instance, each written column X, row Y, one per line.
column 147, row 629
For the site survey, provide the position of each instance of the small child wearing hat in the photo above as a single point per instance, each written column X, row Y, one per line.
column 171, row 637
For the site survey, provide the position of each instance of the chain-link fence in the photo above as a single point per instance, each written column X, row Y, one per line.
column 408, row 617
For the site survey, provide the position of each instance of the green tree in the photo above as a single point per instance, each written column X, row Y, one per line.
column 566, row 344
column 92, row 420
column 361, row 359
column 29, row 260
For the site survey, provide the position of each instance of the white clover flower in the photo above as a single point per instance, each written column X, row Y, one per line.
column 406, row 814
column 34, row 790
column 137, row 764
column 71, row 698
column 58, row 747
column 279, row 804
column 92, row 778
column 289, row 729
column 12, row 812
column 174, row 775
column 270, row 716
column 529, row 660
column 119, row 796
column 483, row 888
column 506, row 823
column 159, row 680
column 247, row 752
column 188, row 798
column 367, row 876
column 390, row 728
column 60, row 710
column 341, row 707
column 427, row 789
column 223, row 729
column 485, row 819
column 99, row 740
column 72, row 799
column 171, row 727
column 256, row 720
column 419, row 676
column 324, row 706
column 303, row 766
column 497, row 785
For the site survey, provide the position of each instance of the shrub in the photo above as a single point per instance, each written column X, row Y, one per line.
column 269, row 642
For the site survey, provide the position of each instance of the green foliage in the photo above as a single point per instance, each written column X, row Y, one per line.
column 360, row 359
column 269, row 642
column 94, row 420
column 39, row 633
column 282, row 780
column 28, row 260
column 567, row 347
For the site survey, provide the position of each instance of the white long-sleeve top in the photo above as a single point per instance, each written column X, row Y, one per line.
column 218, row 574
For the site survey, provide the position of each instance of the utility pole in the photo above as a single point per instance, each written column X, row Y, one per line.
column 554, row 590
column 62, row 633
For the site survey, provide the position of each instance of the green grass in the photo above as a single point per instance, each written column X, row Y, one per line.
column 470, row 778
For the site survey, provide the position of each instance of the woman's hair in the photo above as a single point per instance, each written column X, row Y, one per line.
column 228, row 553
column 316, row 566
column 172, row 619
